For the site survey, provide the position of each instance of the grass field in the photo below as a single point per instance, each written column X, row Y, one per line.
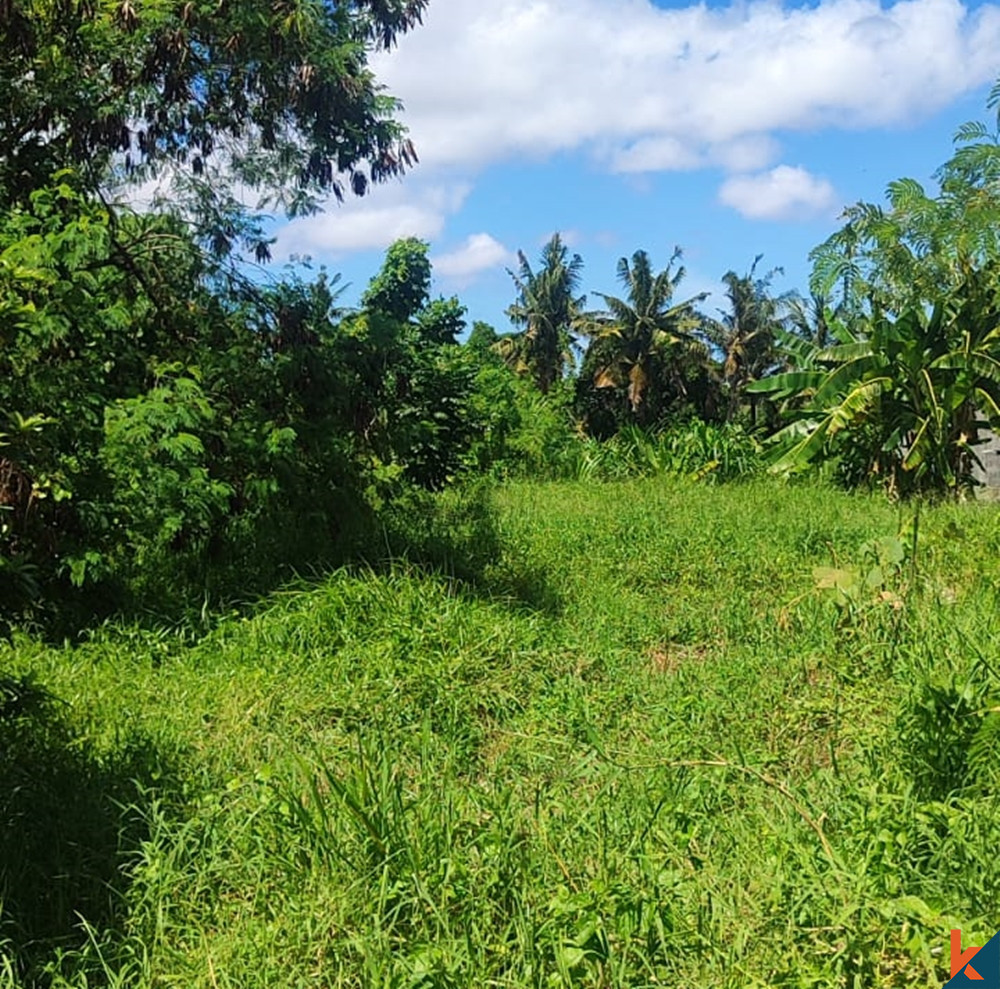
column 636, row 734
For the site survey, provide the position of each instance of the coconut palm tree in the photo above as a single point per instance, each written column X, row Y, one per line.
column 634, row 335
column 745, row 335
column 809, row 318
column 547, row 307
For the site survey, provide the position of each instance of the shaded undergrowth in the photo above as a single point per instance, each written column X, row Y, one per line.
column 456, row 534
column 71, row 820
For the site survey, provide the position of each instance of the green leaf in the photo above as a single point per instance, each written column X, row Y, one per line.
column 795, row 382
column 857, row 404
column 845, row 376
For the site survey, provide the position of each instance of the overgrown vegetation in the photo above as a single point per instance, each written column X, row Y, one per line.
column 176, row 435
column 912, row 377
column 622, row 734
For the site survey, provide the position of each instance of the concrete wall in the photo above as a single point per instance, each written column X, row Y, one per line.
column 989, row 453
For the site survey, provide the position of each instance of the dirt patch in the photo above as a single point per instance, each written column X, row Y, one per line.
column 669, row 657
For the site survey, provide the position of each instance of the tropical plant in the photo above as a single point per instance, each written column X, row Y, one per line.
column 698, row 450
column 810, row 326
column 916, row 371
column 278, row 95
column 745, row 335
column 482, row 338
column 636, row 338
column 920, row 247
column 401, row 287
column 547, row 307
column 442, row 321
column 156, row 421
column 900, row 399
column 809, row 318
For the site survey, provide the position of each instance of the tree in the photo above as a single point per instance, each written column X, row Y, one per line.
column 482, row 338
column 402, row 286
column 917, row 249
column 915, row 372
column 547, row 307
column 416, row 407
column 154, row 423
column 158, row 409
column 810, row 318
column 442, row 321
column 276, row 94
column 745, row 334
column 635, row 338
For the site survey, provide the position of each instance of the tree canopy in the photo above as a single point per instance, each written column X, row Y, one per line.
column 745, row 333
column 547, row 306
column 278, row 95
column 632, row 333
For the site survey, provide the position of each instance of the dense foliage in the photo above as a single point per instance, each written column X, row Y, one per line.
column 547, row 307
column 528, row 745
column 162, row 418
column 639, row 344
column 277, row 95
column 176, row 433
column 913, row 377
column 174, row 425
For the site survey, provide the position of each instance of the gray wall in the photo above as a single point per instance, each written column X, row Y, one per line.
column 989, row 453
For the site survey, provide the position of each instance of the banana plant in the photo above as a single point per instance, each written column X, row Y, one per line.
column 904, row 392
column 908, row 393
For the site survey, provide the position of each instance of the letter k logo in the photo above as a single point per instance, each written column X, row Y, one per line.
column 984, row 974
column 960, row 959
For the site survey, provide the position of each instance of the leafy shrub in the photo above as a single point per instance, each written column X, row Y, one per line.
column 155, row 455
column 523, row 432
column 160, row 427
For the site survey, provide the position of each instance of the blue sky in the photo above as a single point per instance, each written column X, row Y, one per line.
column 728, row 129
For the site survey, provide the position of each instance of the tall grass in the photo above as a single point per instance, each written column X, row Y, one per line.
column 636, row 735
column 545, row 445
column 697, row 450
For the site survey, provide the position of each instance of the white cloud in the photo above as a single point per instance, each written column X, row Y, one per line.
column 648, row 88
column 479, row 253
column 655, row 154
column 167, row 187
column 783, row 193
column 643, row 88
column 374, row 221
column 335, row 231
column 745, row 154
column 660, row 154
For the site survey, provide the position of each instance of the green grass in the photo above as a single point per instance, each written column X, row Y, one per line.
column 618, row 738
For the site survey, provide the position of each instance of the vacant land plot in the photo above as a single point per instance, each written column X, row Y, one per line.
column 637, row 734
